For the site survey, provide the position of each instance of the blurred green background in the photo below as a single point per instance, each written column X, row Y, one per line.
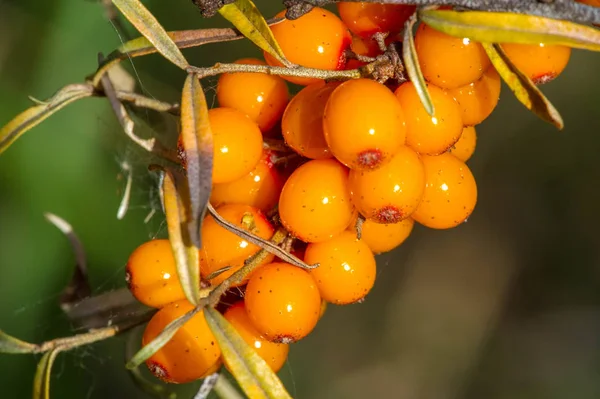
column 505, row 306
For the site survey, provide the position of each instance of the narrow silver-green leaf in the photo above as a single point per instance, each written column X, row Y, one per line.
column 413, row 69
column 525, row 90
column 148, row 26
column 41, row 382
column 250, row 371
column 10, row 344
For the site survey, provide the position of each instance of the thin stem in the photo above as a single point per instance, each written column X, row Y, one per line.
column 299, row 72
column 225, row 390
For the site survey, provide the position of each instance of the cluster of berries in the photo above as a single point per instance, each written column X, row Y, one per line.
column 362, row 149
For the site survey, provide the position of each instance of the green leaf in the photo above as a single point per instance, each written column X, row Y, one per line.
column 41, row 382
column 499, row 27
column 10, row 344
column 525, row 90
column 252, row 373
column 197, row 138
column 36, row 114
column 148, row 26
column 186, row 254
column 244, row 15
column 161, row 340
column 413, row 69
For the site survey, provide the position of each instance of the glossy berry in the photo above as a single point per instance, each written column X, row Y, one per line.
column 260, row 188
column 274, row 354
column 366, row 19
column 384, row 237
column 426, row 134
column 283, row 302
column 450, row 192
column 477, row 100
column 191, row 354
column 318, row 39
column 237, row 144
column 302, row 123
column 465, row 146
column 260, row 96
column 540, row 62
column 392, row 192
column 447, row 61
column 347, row 268
column 222, row 248
column 363, row 46
column 151, row 274
column 364, row 124
column 315, row 201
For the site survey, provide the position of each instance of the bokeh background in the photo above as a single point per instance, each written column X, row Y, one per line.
column 504, row 306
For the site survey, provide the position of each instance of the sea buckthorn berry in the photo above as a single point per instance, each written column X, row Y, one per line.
column 318, row 39
column 222, row 248
column 191, row 354
column 391, row 193
column 447, row 61
column 465, row 146
column 366, row 19
column 477, row 100
column 385, row 237
column 260, row 96
column 540, row 62
column 274, row 354
column 346, row 271
column 237, row 144
column 426, row 134
column 260, row 188
column 450, row 192
column 364, row 124
column 593, row 3
column 283, row 302
column 365, row 46
column 302, row 123
column 315, row 201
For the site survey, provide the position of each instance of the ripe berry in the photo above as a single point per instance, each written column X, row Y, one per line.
column 347, row 268
column 237, row 144
column 260, row 96
column 260, row 188
column 593, row 3
column 366, row 19
column 447, row 61
column 540, row 62
column 318, row 39
column 426, row 134
column 274, row 354
column 364, row 124
column 391, row 193
column 465, row 146
column 191, row 354
column 283, row 302
column 151, row 274
column 222, row 248
column 315, row 201
column 302, row 123
column 385, row 237
column 450, row 192
column 477, row 100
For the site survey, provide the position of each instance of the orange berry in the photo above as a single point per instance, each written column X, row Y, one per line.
column 447, row 61
column 260, row 96
column 346, row 271
column 540, row 62
column 465, row 146
column 365, row 46
column 222, row 248
column 385, row 237
column 283, row 302
column 364, row 124
column 151, row 274
column 593, row 3
column 391, row 193
column 274, row 354
column 477, row 100
column 318, row 39
column 315, row 201
column 366, row 19
column 426, row 134
column 260, row 188
column 191, row 354
column 237, row 144
column 450, row 192
column 302, row 123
